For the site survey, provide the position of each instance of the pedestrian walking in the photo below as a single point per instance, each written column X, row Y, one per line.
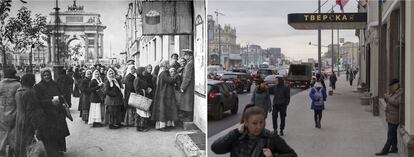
column 85, row 98
column 77, row 78
column 186, row 105
column 281, row 101
column 252, row 139
column 347, row 75
column 261, row 97
column 65, row 83
column 332, row 80
column 392, row 116
column 318, row 97
column 141, row 87
column 8, row 88
column 114, row 102
column 164, row 107
column 130, row 113
column 95, row 111
column 53, row 136
column 351, row 77
column 30, row 118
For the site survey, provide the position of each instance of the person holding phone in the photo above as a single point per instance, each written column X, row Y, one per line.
column 252, row 139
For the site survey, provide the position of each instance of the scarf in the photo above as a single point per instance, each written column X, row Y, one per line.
column 98, row 79
column 113, row 81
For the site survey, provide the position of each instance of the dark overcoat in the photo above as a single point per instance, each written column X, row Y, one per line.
column 187, row 84
column 164, row 107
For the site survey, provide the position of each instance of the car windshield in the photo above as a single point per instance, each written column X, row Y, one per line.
column 266, row 72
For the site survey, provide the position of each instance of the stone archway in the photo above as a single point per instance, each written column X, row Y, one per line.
column 75, row 24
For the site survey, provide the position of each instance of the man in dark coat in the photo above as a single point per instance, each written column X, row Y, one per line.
column 281, row 100
column 351, row 78
column 65, row 83
column 8, row 89
column 332, row 80
column 174, row 61
column 187, row 87
column 56, row 129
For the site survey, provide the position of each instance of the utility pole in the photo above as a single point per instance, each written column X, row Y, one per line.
column 57, row 67
column 219, row 29
column 319, row 42
column 333, row 56
column 338, row 49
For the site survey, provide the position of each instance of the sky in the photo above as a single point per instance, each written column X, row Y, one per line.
column 264, row 22
column 112, row 15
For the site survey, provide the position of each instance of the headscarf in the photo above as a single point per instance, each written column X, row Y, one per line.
column 98, row 79
column 112, row 80
column 88, row 71
column 129, row 70
column 139, row 72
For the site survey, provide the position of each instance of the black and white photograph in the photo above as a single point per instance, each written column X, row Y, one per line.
column 103, row 78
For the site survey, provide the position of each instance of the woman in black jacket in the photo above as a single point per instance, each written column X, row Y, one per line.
column 85, row 98
column 251, row 139
column 95, row 114
column 113, row 100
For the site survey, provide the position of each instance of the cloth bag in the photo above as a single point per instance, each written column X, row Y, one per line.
column 140, row 102
column 36, row 148
column 67, row 109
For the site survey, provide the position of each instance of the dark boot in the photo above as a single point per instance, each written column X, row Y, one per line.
column 382, row 153
column 281, row 133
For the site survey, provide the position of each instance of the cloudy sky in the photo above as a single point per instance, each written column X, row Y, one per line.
column 112, row 15
column 264, row 22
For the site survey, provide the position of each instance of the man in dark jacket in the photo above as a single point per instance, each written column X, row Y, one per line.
column 333, row 80
column 281, row 100
column 65, row 83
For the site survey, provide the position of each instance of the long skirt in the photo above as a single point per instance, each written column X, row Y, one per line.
column 160, row 125
column 95, row 113
column 115, row 114
column 130, row 115
column 76, row 92
column 85, row 115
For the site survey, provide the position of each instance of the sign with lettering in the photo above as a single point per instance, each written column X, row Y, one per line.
column 327, row 20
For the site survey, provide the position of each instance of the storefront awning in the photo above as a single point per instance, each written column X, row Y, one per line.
column 312, row 21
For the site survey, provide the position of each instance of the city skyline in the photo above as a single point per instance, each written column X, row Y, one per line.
column 270, row 29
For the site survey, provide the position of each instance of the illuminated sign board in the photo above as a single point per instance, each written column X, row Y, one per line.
column 327, row 20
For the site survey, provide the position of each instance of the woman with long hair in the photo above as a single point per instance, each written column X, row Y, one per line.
column 252, row 139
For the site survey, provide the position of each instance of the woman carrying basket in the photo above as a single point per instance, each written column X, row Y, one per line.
column 142, row 88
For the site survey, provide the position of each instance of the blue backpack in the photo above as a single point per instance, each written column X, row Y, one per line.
column 318, row 97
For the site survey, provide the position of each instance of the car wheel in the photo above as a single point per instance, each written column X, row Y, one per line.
column 219, row 113
column 235, row 107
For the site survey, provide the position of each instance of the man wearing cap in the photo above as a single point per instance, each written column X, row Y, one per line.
column 186, row 105
column 392, row 116
column 174, row 61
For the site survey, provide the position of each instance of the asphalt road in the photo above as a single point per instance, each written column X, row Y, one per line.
column 215, row 126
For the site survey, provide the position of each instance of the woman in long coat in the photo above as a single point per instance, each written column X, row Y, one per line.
column 56, row 130
column 29, row 117
column 95, row 111
column 148, row 79
column 141, row 87
column 113, row 100
column 77, row 76
column 164, row 109
column 85, row 98
column 129, row 88
column 261, row 97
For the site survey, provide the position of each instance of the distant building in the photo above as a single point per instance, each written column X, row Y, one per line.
column 274, row 54
column 253, row 55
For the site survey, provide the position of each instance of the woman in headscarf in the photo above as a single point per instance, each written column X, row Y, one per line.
column 95, row 112
column 129, row 119
column 56, row 130
column 155, row 76
column 141, row 87
column 148, row 79
column 113, row 100
column 85, row 98
column 164, row 109
column 30, row 117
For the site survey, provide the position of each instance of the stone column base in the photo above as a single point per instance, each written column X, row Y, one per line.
column 405, row 143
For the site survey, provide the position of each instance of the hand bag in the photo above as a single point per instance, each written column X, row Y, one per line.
column 139, row 101
column 36, row 148
column 67, row 109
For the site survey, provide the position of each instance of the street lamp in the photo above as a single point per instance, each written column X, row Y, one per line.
column 30, row 58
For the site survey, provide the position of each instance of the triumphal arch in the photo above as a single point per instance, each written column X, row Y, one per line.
column 75, row 24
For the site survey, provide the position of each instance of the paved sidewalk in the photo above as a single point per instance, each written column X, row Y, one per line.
column 348, row 130
column 86, row 141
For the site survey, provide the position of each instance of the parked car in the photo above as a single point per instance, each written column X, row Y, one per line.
column 221, row 98
column 212, row 71
column 241, row 80
column 271, row 82
column 300, row 75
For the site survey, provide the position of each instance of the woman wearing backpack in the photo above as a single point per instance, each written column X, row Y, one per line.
column 318, row 96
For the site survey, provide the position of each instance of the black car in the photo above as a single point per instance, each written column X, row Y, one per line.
column 245, row 71
column 220, row 99
column 241, row 80
column 262, row 73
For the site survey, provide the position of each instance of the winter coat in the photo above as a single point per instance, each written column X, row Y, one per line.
column 164, row 107
column 313, row 98
column 113, row 94
column 333, row 78
column 129, row 87
column 392, row 110
column 8, row 89
column 241, row 145
column 262, row 99
column 85, row 98
column 29, row 117
column 187, row 84
column 141, row 84
column 56, row 126
column 94, row 87
column 65, row 83
column 281, row 95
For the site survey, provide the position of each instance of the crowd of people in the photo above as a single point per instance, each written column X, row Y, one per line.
column 39, row 111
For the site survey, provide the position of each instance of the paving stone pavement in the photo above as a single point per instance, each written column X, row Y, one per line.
column 348, row 130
